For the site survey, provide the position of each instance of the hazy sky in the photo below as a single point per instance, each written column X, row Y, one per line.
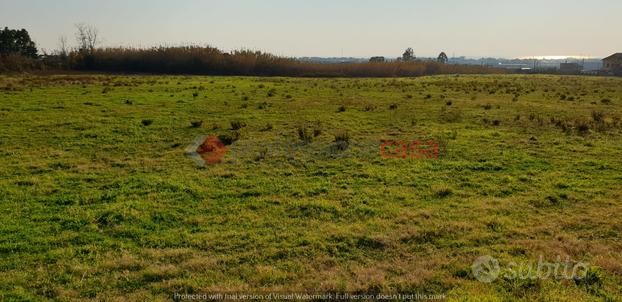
column 361, row 28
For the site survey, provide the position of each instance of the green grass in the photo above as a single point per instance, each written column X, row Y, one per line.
column 98, row 203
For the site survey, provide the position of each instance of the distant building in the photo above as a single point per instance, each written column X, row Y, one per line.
column 515, row 66
column 570, row 68
column 377, row 59
column 613, row 63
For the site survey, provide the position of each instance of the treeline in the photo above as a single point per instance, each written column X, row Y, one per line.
column 212, row 61
column 20, row 63
column 18, row 53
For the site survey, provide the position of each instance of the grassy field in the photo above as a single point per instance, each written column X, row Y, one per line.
column 99, row 201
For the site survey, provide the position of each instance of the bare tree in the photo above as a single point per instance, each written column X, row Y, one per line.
column 62, row 46
column 87, row 37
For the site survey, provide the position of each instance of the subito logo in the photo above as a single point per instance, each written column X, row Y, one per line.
column 485, row 269
column 207, row 150
column 409, row 150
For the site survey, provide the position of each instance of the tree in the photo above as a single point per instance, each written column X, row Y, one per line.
column 62, row 46
column 409, row 55
column 442, row 58
column 13, row 41
column 87, row 37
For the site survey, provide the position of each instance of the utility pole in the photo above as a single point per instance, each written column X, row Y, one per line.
column 535, row 63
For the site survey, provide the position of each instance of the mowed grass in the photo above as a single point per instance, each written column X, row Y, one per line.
column 98, row 200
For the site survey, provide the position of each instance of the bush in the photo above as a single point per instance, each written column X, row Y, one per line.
column 597, row 116
column 442, row 191
column 342, row 140
column 18, row 63
column 369, row 107
column 228, row 139
column 263, row 153
column 451, row 116
column 591, row 279
column 268, row 127
column 237, row 125
column 582, row 126
column 304, row 134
